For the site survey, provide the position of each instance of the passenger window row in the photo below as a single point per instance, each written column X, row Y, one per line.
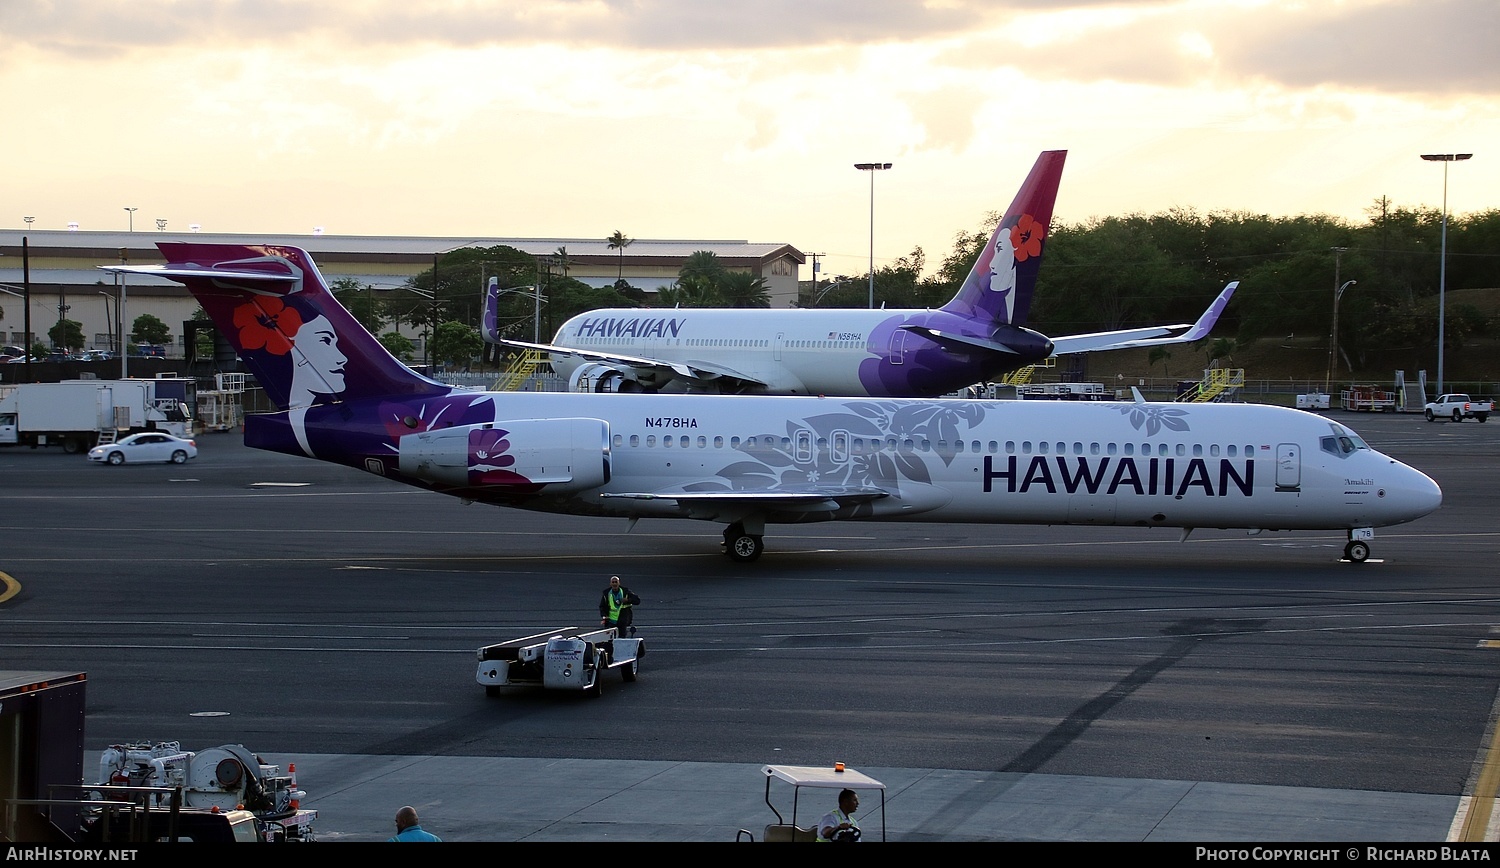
column 844, row 444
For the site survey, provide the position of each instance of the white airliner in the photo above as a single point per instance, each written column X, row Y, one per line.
column 748, row 461
column 977, row 336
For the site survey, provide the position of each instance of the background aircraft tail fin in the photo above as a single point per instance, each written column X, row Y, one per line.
column 489, row 319
column 999, row 288
column 271, row 304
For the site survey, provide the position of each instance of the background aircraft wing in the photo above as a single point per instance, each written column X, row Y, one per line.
column 693, row 371
column 1149, row 336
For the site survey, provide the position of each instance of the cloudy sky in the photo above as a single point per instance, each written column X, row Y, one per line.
column 733, row 120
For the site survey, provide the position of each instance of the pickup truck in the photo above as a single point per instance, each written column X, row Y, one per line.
column 1458, row 408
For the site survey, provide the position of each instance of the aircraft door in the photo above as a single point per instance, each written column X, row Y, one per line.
column 802, row 447
column 898, row 347
column 777, row 345
column 1288, row 467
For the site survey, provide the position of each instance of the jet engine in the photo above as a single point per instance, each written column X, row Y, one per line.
column 564, row 455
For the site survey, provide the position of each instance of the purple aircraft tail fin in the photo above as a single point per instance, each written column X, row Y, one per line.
column 998, row 290
column 489, row 327
column 273, row 307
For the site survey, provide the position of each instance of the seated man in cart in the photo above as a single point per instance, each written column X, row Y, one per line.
column 839, row 824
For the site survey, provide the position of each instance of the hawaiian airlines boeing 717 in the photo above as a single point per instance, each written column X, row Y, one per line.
column 745, row 462
column 976, row 337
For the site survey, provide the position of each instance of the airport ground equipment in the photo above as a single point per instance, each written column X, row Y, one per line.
column 1457, row 407
column 1313, row 401
column 1368, row 399
column 567, row 658
column 79, row 414
column 223, row 779
column 822, row 782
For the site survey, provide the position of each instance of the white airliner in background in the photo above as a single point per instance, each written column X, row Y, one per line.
column 976, row 337
column 748, row 461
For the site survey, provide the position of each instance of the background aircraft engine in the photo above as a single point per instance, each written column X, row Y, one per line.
column 598, row 377
column 563, row 454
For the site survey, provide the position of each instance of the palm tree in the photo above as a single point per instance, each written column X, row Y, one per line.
column 619, row 242
column 702, row 263
column 743, row 289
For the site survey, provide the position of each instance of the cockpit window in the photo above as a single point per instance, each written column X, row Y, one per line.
column 1344, row 434
column 1342, row 442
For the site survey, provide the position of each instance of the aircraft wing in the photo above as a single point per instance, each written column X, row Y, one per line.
column 808, row 498
column 967, row 343
column 1149, row 336
column 694, row 371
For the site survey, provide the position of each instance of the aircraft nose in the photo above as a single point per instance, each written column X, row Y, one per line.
column 1415, row 494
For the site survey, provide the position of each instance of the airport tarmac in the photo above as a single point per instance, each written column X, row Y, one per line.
column 1048, row 684
column 535, row 799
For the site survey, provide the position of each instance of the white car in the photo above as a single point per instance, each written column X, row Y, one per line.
column 146, row 446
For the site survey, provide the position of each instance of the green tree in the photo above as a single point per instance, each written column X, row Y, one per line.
column 456, row 343
column 1221, row 348
column 692, row 291
column 67, row 335
column 360, row 301
column 619, row 241
column 744, row 290
column 398, row 345
column 147, row 329
column 702, row 265
column 1159, row 354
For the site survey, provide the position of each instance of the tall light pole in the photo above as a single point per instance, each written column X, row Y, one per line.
column 1333, row 336
column 1445, row 159
column 131, row 211
column 872, row 168
column 120, row 312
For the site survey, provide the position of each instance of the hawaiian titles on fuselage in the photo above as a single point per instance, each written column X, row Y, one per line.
column 1121, row 474
column 630, row 327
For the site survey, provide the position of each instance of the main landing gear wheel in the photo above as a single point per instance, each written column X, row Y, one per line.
column 741, row 546
column 1357, row 551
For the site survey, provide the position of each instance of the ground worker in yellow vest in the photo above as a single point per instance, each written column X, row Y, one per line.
column 615, row 608
column 839, row 824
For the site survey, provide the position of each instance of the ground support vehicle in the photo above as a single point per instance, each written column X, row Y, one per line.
column 1458, row 407
column 79, row 414
column 222, row 779
column 1368, row 399
column 1064, row 392
column 824, row 782
column 567, row 658
column 1312, row 401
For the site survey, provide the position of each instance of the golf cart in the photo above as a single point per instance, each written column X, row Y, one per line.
column 827, row 782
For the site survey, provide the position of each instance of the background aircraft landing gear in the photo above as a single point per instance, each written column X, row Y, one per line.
column 1357, row 551
column 742, row 546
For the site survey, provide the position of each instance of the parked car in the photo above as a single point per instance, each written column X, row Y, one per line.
column 147, row 446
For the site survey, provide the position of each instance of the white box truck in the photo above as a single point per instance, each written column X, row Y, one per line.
column 79, row 414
